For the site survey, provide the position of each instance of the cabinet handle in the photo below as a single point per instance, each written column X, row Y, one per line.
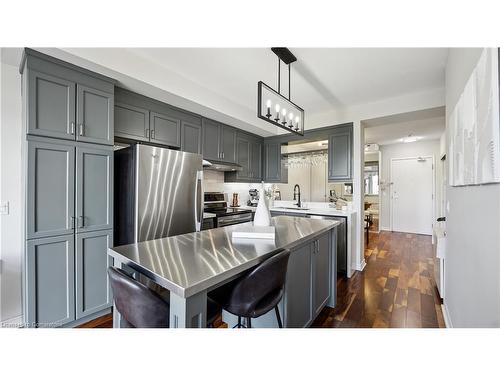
column 80, row 126
column 72, row 218
column 81, row 221
column 153, row 134
column 147, row 133
column 72, row 128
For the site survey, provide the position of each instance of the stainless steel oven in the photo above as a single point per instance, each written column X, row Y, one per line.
column 216, row 203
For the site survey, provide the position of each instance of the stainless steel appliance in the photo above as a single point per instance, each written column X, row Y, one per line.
column 216, row 203
column 158, row 193
column 341, row 240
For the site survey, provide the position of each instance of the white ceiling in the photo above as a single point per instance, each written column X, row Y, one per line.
column 322, row 78
column 426, row 125
column 223, row 81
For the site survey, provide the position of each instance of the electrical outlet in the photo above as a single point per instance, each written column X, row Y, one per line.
column 4, row 209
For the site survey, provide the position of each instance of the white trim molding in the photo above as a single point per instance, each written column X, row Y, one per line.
column 446, row 316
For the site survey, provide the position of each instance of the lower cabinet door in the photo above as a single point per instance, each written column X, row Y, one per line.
column 298, row 287
column 50, row 292
column 321, row 272
column 93, row 292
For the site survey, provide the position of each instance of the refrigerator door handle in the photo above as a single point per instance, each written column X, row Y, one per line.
column 199, row 200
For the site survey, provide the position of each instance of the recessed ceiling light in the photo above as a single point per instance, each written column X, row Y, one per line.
column 410, row 139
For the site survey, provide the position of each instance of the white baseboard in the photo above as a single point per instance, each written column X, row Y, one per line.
column 446, row 316
column 360, row 266
column 15, row 322
column 385, row 229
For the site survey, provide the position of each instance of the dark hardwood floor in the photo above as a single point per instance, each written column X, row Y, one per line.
column 395, row 290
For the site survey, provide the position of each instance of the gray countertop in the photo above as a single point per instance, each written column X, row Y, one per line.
column 190, row 263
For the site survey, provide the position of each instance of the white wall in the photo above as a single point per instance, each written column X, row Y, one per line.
column 10, row 191
column 404, row 150
column 472, row 228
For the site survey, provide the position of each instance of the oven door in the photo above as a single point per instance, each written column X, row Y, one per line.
column 224, row 221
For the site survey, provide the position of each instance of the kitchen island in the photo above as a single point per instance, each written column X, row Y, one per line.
column 193, row 264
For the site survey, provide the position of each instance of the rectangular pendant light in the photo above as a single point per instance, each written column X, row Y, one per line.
column 278, row 110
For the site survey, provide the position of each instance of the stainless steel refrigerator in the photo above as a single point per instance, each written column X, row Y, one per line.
column 158, row 193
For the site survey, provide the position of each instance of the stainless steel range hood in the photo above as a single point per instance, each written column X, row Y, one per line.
column 221, row 167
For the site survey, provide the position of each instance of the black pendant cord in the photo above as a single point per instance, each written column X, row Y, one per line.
column 289, row 82
column 279, row 74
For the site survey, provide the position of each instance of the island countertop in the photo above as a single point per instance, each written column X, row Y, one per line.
column 189, row 263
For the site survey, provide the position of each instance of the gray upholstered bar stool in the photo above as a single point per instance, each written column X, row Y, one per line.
column 257, row 292
column 141, row 307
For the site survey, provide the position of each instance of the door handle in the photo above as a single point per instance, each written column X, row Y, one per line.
column 72, row 128
column 80, row 126
column 198, row 212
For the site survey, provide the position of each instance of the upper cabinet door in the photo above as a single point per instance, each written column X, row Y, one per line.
column 191, row 137
column 165, row 129
column 256, row 160
column 131, row 122
column 51, row 106
column 94, row 188
column 94, row 117
column 228, row 144
column 211, row 137
column 243, row 157
column 272, row 171
column 50, row 183
column 340, row 155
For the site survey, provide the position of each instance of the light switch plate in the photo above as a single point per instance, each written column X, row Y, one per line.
column 4, row 209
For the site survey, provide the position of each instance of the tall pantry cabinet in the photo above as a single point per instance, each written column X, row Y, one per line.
column 68, row 117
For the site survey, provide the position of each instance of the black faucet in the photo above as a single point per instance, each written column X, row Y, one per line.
column 296, row 194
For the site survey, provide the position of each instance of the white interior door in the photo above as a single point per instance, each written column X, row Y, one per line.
column 412, row 198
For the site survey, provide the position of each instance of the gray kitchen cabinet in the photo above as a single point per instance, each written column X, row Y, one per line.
column 50, row 188
column 131, row 122
column 50, row 281
column 94, row 188
column 211, row 140
column 165, row 129
column 340, row 155
column 243, row 157
column 273, row 164
column 94, row 115
column 93, row 292
column 228, row 144
column 256, row 160
column 321, row 272
column 191, row 136
column 51, row 106
column 298, row 313
column 65, row 101
column 249, row 157
column 219, row 141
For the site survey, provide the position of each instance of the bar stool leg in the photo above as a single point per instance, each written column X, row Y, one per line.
column 280, row 325
column 249, row 323
column 239, row 321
